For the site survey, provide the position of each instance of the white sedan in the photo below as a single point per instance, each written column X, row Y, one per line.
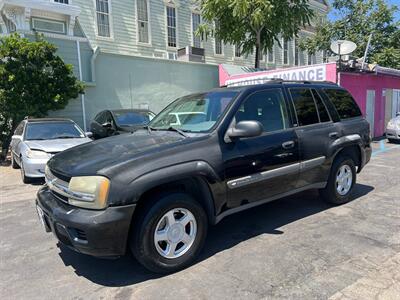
column 393, row 129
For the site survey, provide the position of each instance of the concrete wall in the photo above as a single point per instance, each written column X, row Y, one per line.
column 127, row 81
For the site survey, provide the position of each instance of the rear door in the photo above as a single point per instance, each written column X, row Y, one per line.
column 261, row 167
column 316, row 132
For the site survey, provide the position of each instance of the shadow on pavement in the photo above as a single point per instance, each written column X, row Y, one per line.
column 265, row 219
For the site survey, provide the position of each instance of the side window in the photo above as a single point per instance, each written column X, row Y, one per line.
column 344, row 103
column 20, row 128
column 100, row 118
column 267, row 107
column 305, row 106
column 322, row 111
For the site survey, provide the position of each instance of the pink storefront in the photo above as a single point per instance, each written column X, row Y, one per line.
column 377, row 92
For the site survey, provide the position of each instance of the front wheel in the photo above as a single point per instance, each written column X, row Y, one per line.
column 341, row 181
column 170, row 234
column 14, row 164
column 25, row 179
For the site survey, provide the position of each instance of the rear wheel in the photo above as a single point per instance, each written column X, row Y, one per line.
column 169, row 235
column 341, row 181
column 25, row 179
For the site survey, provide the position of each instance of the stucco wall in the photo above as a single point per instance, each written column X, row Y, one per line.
column 358, row 84
column 127, row 81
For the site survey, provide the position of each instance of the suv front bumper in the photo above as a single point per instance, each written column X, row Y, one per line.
column 101, row 233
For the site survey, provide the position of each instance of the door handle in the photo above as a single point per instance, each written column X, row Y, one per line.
column 334, row 135
column 288, row 145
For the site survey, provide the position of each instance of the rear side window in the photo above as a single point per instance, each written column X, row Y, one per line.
column 322, row 111
column 19, row 129
column 305, row 106
column 344, row 103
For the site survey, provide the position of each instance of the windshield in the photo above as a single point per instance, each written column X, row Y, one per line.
column 132, row 118
column 194, row 113
column 52, row 130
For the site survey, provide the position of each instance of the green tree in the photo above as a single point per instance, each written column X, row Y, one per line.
column 254, row 24
column 33, row 80
column 355, row 20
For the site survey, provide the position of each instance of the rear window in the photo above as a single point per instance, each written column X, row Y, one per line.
column 345, row 105
column 305, row 106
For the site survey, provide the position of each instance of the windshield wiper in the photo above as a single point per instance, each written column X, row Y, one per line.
column 181, row 132
column 65, row 137
column 149, row 128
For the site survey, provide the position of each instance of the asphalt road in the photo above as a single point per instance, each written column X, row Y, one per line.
column 296, row 248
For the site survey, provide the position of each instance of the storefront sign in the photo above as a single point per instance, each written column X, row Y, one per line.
column 311, row 73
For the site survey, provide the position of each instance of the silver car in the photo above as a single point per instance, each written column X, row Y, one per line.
column 35, row 141
column 393, row 129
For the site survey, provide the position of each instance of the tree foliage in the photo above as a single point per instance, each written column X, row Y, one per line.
column 254, row 24
column 33, row 80
column 355, row 20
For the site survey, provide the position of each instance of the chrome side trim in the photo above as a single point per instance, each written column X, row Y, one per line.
column 347, row 138
column 312, row 163
column 257, row 177
column 286, row 170
column 319, row 185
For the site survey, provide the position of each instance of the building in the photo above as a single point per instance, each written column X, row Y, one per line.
column 136, row 52
column 376, row 89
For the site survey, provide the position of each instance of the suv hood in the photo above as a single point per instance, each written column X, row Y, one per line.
column 55, row 145
column 90, row 158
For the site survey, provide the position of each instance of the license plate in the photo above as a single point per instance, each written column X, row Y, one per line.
column 41, row 217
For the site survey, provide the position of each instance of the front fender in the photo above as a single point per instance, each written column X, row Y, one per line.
column 137, row 187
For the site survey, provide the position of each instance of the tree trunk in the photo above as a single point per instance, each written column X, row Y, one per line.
column 258, row 46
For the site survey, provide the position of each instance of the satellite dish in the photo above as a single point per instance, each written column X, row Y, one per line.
column 343, row 47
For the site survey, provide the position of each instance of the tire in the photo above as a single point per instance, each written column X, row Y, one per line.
column 331, row 192
column 25, row 179
column 143, row 234
column 391, row 141
column 14, row 164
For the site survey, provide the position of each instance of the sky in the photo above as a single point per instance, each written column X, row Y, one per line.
column 331, row 16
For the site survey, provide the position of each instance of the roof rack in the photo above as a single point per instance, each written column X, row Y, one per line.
column 256, row 81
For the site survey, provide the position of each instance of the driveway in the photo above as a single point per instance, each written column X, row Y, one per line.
column 297, row 248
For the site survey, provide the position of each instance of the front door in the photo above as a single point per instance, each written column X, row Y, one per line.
column 261, row 167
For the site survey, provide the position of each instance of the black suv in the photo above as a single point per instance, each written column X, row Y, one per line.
column 156, row 191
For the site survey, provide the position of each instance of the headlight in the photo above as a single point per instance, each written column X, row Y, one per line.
column 36, row 154
column 89, row 191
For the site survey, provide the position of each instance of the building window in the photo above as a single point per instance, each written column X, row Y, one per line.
column 48, row 25
column 285, row 52
column 296, row 53
column 310, row 59
column 103, row 18
column 218, row 42
column 196, row 19
column 270, row 56
column 143, row 21
column 238, row 51
column 62, row 1
column 171, row 26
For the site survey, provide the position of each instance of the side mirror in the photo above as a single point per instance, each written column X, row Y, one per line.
column 16, row 137
column 245, row 129
column 398, row 114
column 89, row 134
column 106, row 125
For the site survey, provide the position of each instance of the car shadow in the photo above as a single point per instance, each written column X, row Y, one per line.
column 265, row 219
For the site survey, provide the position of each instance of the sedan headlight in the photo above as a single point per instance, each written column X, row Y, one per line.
column 36, row 154
column 88, row 191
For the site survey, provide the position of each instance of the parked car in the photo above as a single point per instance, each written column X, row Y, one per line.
column 114, row 122
column 35, row 141
column 156, row 191
column 393, row 129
